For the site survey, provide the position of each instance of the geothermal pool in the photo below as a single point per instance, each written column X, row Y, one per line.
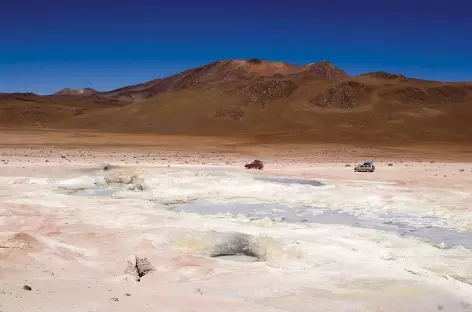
column 279, row 243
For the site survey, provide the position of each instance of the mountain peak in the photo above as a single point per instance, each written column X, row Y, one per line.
column 326, row 70
column 255, row 61
column 321, row 63
column 256, row 67
column 230, row 71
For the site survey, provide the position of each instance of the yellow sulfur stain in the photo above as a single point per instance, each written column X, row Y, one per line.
column 191, row 244
column 412, row 292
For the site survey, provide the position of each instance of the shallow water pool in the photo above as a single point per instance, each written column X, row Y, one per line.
column 398, row 223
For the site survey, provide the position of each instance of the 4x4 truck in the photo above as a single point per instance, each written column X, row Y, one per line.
column 256, row 164
column 365, row 167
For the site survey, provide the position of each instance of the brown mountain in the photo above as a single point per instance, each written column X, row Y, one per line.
column 275, row 100
column 83, row 92
column 29, row 110
column 223, row 72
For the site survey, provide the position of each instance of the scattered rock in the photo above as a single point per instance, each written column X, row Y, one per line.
column 144, row 266
column 128, row 295
column 23, row 241
column 120, row 178
column 136, row 188
column 345, row 94
column 108, row 167
column 232, row 113
column 115, row 299
column 412, row 272
column 138, row 267
column 131, row 268
column 236, row 244
column 390, row 165
column 26, row 287
column 461, row 170
column 261, row 92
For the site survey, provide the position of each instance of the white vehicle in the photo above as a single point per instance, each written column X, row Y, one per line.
column 365, row 167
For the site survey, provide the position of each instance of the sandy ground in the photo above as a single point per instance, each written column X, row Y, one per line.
column 78, row 253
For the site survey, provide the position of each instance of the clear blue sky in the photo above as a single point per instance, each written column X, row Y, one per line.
column 48, row 45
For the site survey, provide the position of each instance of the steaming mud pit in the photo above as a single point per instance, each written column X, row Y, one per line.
column 190, row 238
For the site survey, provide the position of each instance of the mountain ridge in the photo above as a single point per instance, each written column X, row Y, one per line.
column 220, row 72
column 70, row 91
column 323, row 69
column 317, row 102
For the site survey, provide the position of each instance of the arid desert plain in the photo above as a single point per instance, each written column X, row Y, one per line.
column 175, row 223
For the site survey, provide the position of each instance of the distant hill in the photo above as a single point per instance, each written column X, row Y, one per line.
column 84, row 92
column 316, row 102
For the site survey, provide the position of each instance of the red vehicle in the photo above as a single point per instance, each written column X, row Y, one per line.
column 256, row 164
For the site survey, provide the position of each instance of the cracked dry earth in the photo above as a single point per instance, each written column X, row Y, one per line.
column 207, row 238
